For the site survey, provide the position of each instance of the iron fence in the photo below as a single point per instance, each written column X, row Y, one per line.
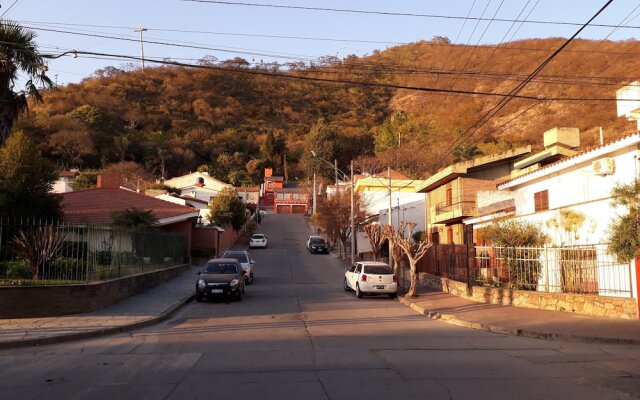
column 35, row 252
column 585, row 269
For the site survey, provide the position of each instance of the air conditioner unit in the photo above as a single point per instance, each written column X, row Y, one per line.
column 604, row 166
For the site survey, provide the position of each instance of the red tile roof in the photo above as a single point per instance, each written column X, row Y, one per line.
column 94, row 206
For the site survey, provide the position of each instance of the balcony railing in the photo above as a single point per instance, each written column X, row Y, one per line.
column 465, row 205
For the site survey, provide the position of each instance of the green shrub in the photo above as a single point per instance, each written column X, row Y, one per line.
column 17, row 270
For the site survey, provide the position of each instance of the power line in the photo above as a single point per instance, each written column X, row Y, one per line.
column 502, row 103
column 400, row 14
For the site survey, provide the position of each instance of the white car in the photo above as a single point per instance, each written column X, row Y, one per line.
column 258, row 240
column 371, row 277
column 245, row 261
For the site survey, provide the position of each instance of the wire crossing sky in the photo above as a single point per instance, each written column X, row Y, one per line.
column 294, row 30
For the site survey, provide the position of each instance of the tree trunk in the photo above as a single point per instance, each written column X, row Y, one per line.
column 413, row 278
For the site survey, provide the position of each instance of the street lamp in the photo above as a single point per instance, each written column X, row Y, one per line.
column 350, row 179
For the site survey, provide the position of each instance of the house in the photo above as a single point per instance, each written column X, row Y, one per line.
column 451, row 193
column 197, row 185
column 271, row 183
column 392, row 191
column 291, row 201
column 249, row 195
column 201, row 205
column 575, row 185
column 63, row 183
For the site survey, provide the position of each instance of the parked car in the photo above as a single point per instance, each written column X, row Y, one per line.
column 258, row 240
column 220, row 277
column 317, row 244
column 371, row 277
column 245, row 261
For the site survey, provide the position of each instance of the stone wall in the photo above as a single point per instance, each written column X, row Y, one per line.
column 602, row 306
column 49, row 301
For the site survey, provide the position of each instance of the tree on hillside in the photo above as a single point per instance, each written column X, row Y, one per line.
column 273, row 149
column 25, row 180
column 19, row 57
column 321, row 140
column 71, row 141
column 227, row 209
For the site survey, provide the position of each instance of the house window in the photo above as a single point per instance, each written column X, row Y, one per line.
column 269, row 185
column 449, row 195
column 541, row 200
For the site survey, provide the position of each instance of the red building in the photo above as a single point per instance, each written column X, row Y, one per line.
column 271, row 183
column 291, row 201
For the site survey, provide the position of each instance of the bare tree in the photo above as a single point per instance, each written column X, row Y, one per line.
column 414, row 251
column 389, row 233
column 374, row 233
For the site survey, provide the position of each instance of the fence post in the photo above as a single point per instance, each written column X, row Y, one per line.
column 546, row 268
column 466, row 254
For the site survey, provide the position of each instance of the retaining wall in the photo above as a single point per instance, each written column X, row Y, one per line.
column 50, row 301
column 602, row 306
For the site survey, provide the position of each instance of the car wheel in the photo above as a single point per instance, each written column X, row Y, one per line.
column 393, row 295
column 359, row 293
column 346, row 285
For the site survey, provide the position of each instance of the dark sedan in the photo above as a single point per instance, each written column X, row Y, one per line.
column 221, row 277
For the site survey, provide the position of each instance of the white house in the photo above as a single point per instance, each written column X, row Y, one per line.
column 198, row 185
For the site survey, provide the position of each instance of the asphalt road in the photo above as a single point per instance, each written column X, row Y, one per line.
column 298, row 335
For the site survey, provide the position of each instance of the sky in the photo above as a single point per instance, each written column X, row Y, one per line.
column 191, row 30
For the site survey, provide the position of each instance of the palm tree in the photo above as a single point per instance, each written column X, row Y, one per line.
column 18, row 55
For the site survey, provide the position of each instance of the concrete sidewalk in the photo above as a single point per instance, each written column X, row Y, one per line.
column 137, row 311
column 520, row 321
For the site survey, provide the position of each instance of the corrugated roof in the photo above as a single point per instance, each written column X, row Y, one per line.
column 94, row 206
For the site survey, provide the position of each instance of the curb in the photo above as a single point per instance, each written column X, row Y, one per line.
column 98, row 332
column 453, row 320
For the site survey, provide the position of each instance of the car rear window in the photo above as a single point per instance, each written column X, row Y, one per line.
column 317, row 241
column 258, row 236
column 378, row 269
column 238, row 256
column 220, row 268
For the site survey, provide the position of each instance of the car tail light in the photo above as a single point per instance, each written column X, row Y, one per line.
column 363, row 278
column 395, row 278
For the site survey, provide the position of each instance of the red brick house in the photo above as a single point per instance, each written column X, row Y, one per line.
column 291, row 201
column 271, row 183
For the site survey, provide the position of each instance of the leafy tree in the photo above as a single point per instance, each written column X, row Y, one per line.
column 71, row 142
column 87, row 179
column 19, row 55
column 321, row 140
column 624, row 231
column 227, row 209
column 26, row 180
column 134, row 218
column 333, row 214
column 273, row 149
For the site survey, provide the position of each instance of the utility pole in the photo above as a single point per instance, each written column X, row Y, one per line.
column 141, row 29
column 353, row 230
column 314, row 193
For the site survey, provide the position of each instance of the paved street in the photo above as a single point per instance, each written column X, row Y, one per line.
column 298, row 335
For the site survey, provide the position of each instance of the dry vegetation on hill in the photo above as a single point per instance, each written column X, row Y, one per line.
column 176, row 119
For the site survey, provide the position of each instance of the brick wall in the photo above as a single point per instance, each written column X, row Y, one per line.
column 49, row 301
column 601, row 306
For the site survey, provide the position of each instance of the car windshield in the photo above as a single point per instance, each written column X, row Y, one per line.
column 378, row 269
column 317, row 241
column 257, row 237
column 242, row 257
column 220, row 268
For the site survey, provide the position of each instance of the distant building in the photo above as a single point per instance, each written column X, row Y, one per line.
column 291, row 201
column 198, row 185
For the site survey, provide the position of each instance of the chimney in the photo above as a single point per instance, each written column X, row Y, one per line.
column 268, row 172
column 109, row 181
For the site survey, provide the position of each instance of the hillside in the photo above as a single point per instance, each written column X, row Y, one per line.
column 236, row 118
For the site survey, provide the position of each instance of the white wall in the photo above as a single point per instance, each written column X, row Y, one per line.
column 412, row 211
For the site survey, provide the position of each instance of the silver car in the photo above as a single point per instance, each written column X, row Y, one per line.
column 245, row 260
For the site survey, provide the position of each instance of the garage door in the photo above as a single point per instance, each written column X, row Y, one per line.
column 298, row 209
column 283, row 209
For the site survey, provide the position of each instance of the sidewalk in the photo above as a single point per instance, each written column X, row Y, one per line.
column 137, row 311
column 542, row 324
